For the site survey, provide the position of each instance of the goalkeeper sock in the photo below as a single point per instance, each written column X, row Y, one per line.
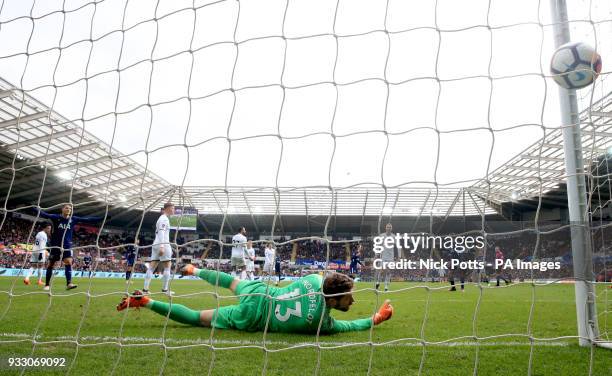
column 210, row 276
column 178, row 312
column 128, row 274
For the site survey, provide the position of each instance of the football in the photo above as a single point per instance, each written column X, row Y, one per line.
column 575, row 65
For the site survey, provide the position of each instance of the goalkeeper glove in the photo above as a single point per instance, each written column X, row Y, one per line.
column 384, row 313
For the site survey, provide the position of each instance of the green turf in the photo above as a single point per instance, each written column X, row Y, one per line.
column 438, row 315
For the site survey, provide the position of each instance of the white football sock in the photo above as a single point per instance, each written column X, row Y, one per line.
column 165, row 279
column 148, row 277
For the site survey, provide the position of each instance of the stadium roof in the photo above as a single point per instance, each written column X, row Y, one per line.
column 538, row 171
column 46, row 147
column 540, row 168
column 320, row 201
column 39, row 145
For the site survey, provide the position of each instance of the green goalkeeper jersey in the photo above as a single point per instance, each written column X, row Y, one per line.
column 288, row 313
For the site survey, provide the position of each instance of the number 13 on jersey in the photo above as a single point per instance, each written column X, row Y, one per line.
column 292, row 307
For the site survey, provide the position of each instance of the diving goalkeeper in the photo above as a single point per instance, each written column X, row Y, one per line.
column 295, row 308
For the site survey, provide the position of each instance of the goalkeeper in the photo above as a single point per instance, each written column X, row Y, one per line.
column 296, row 308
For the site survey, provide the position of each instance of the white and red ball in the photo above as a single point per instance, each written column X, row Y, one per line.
column 575, row 65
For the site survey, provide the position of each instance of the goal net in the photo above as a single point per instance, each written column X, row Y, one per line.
column 324, row 128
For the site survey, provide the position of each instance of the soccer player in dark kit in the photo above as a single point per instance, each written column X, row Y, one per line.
column 456, row 272
column 130, row 257
column 356, row 260
column 86, row 264
column 277, row 269
column 61, row 241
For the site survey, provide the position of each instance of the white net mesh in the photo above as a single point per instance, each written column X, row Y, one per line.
column 313, row 123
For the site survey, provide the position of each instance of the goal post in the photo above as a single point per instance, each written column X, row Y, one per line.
column 586, row 312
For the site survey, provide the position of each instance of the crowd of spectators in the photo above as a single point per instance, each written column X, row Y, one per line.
column 317, row 250
column 15, row 231
column 108, row 252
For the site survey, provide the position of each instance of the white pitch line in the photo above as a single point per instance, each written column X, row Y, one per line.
column 88, row 340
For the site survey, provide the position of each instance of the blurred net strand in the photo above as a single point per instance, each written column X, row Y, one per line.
column 282, row 36
column 537, row 215
column 144, row 208
column 227, row 199
column 317, row 343
column 82, row 136
column 501, row 177
column 596, row 185
column 595, row 189
column 108, row 182
column 277, row 196
column 32, row 229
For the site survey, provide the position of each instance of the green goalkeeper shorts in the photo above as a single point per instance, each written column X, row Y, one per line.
column 250, row 314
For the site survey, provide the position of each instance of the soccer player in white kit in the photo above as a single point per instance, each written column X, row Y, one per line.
column 270, row 255
column 250, row 261
column 161, row 251
column 387, row 255
column 239, row 254
column 39, row 254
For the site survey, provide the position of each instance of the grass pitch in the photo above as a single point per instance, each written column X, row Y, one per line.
column 501, row 315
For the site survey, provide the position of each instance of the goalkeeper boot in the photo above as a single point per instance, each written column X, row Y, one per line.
column 384, row 313
column 136, row 300
column 71, row 286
